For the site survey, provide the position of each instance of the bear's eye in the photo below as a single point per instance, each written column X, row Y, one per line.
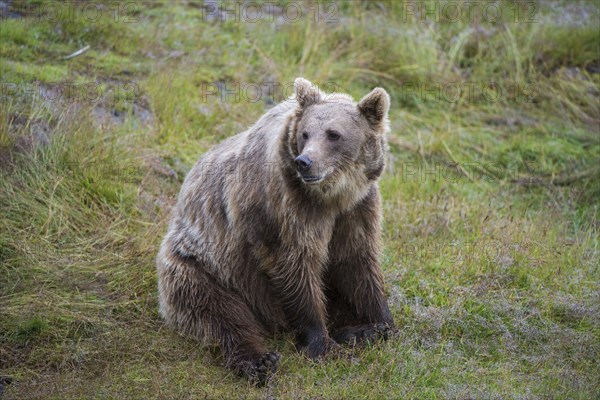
column 332, row 135
column 304, row 135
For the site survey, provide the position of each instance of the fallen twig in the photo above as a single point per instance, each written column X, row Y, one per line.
column 77, row 53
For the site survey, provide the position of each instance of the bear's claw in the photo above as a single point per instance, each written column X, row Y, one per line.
column 362, row 333
column 259, row 370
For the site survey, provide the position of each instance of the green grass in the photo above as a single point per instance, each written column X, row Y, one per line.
column 491, row 211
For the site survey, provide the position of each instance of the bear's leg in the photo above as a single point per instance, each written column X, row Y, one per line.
column 303, row 303
column 192, row 301
column 346, row 327
column 357, row 305
column 296, row 280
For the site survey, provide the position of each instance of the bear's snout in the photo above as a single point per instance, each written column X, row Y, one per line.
column 303, row 163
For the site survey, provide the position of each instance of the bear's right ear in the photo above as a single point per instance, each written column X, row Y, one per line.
column 306, row 93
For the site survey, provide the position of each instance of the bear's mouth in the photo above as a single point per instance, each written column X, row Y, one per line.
column 311, row 179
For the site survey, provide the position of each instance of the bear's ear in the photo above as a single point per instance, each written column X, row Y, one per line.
column 375, row 106
column 306, row 93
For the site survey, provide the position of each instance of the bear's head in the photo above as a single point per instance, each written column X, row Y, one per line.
column 337, row 145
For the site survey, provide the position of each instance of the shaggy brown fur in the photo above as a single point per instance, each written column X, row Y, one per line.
column 278, row 229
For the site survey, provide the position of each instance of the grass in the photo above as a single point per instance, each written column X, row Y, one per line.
column 491, row 209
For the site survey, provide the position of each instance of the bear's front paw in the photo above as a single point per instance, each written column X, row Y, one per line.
column 367, row 333
column 319, row 348
column 258, row 370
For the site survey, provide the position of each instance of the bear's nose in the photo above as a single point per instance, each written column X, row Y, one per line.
column 303, row 163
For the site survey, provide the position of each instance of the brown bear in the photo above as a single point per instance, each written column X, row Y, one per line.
column 278, row 229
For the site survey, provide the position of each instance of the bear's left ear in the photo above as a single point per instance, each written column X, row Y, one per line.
column 306, row 93
column 375, row 106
